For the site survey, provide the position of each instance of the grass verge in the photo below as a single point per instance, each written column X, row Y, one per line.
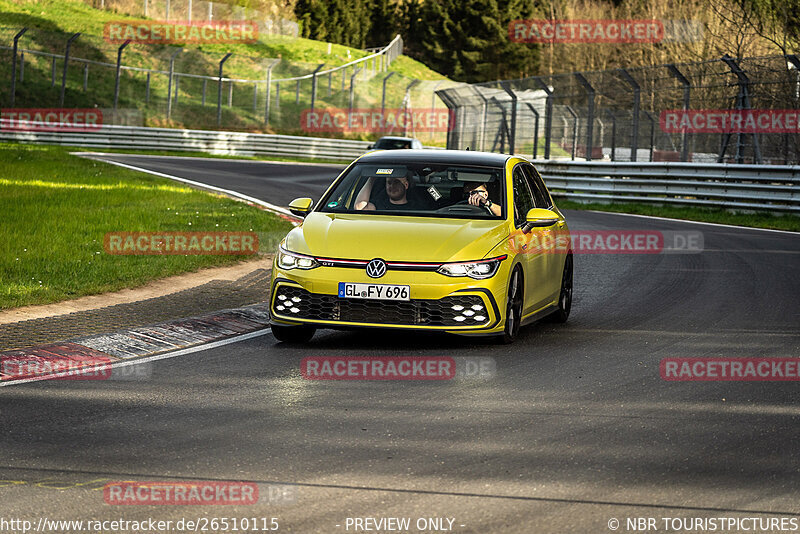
column 57, row 208
column 756, row 220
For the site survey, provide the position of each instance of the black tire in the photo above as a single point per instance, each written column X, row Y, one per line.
column 565, row 297
column 293, row 334
column 514, row 304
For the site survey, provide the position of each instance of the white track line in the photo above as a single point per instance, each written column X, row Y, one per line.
column 274, row 162
column 165, row 356
column 694, row 222
column 200, row 185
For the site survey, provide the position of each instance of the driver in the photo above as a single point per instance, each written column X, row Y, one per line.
column 477, row 195
column 396, row 197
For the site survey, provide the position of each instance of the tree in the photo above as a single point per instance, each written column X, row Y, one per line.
column 384, row 24
column 313, row 16
column 778, row 22
column 468, row 40
column 514, row 60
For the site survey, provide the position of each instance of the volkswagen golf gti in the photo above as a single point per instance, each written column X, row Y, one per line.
column 425, row 240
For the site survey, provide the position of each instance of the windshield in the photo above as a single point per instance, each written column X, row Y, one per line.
column 420, row 190
column 393, row 144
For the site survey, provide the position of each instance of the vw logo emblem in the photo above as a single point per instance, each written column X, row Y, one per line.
column 376, row 268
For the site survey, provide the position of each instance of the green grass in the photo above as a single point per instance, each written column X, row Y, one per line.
column 713, row 215
column 555, row 150
column 411, row 68
column 51, row 22
column 56, row 209
column 61, row 18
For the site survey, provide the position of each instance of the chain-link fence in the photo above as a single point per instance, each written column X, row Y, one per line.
column 680, row 112
column 159, row 85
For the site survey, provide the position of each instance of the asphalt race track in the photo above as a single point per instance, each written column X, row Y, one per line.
column 267, row 181
column 576, row 427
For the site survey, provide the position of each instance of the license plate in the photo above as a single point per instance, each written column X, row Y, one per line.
column 350, row 290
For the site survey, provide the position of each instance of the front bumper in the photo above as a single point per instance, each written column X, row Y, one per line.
column 438, row 302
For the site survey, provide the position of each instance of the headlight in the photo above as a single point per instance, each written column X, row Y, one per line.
column 292, row 260
column 474, row 269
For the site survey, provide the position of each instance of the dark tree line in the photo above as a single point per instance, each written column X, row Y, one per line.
column 466, row 40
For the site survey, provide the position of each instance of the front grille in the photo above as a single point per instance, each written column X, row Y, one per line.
column 291, row 301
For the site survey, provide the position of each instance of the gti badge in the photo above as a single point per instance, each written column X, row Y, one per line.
column 376, row 268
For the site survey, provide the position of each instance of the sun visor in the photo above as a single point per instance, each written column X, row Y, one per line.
column 385, row 171
column 465, row 176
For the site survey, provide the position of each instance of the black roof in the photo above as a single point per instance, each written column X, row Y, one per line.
column 454, row 157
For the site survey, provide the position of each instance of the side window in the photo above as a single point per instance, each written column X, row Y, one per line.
column 523, row 201
column 541, row 197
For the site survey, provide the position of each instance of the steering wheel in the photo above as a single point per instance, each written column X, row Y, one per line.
column 464, row 208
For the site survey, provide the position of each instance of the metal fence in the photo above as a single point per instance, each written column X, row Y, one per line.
column 174, row 139
column 270, row 21
column 615, row 114
column 159, row 85
column 773, row 188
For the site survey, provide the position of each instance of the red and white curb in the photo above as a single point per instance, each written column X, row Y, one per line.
column 139, row 344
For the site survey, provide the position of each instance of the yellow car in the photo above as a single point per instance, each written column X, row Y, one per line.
column 424, row 240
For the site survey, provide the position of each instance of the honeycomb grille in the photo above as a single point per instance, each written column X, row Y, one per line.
column 465, row 310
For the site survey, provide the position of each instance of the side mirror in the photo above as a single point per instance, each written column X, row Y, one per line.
column 301, row 206
column 540, row 218
column 370, row 147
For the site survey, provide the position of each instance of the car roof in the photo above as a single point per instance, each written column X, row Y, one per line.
column 455, row 157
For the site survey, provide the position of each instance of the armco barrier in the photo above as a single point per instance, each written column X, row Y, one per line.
column 746, row 187
column 231, row 143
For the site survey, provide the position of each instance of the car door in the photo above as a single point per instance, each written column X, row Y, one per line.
column 554, row 259
column 533, row 260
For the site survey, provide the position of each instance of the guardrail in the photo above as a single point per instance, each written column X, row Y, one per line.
column 747, row 187
column 213, row 142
